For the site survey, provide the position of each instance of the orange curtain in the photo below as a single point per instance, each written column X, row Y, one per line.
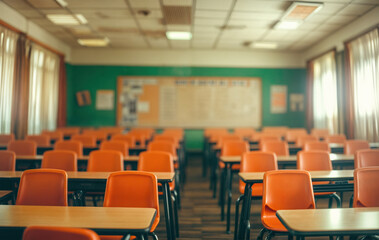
column 62, row 109
column 21, row 88
column 309, row 95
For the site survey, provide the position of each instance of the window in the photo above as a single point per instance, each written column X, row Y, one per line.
column 8, row 42
column 325, row 111
column 43, row 90
column 364, row 75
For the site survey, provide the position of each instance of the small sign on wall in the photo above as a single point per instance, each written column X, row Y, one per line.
column 105, row 100
column 278, row 98
column 83, row 98
column 297, row 102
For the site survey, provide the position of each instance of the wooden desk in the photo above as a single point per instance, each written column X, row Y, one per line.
column 96, row 182
column 341, row 184
column 325, row 222
column 229, row 161
column 103, row 220
column 5, row 196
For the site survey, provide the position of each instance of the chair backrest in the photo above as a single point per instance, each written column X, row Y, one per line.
column 54, row 135
column 351, row 146
column 258, row 161
column 7, row 160
column 314, row 160
column 286, row 189
column 366, row 158
column 169, row 138
column 100, row 135
column 132, row 189
column 323, row 146
column 23, row 147
column 337, row 138
column 69, row 131
column 70, row 145
column 277, row 130
column 105, row 161
column 234, row 148
column 60, row 159
column 58, row 233
column 320, row 133
column 129, row 139
column 87, row 140
column 155, row 161
column 44, row 187
column 244, row 132
column 280, row 148
column 160, row 145
column 116, row 145
column 6, row 138
column 366, row 187
column 41, row 140
column 227, row 138
column 293, row 133
column 301, row 140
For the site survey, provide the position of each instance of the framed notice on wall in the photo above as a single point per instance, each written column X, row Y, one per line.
column 105, row 100
column 278, row 98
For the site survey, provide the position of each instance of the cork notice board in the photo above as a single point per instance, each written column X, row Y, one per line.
column 191, row 102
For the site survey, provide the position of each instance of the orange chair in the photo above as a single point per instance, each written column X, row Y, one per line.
column 158, row 161
column 366, row 187
column 100, row 135
column 58, row 233
column 225, row 138
column 44, row 187
column 133, row 189
column 87, row 140
column 337, row 138
column 105, row 161
column 41, row 140
column 60, row 159
column 169, row 138
column 318, row 161
column 23, row 147
column 6, row 138
column 351, row 146
column 7, row 160
column 366, row 158
column 69, row 131
column 284, row 189
column 322, row 146
column 116, row 145
column 320, row 133
column 256, row 161
column 129, row 139
column 54, row 135
column 301, row 140
column 244, row 133
column 293, row 133
column 280, row 148
column 71, row 145
column 276, row 130
column 161, row 145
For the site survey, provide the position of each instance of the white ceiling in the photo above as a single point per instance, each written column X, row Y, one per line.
column 246, row 21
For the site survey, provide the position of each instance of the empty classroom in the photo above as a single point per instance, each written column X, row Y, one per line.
column 189, row 119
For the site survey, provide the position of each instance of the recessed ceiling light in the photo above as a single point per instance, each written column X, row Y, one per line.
column 301, row 10
column 266, row 45
column 179, row 35
column 62, row 3
column 287, row 25
column 93, row 42
column 67, row 19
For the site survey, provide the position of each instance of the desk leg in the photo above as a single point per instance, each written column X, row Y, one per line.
column 168, row 211
column 245, row 213
column 229, row 179
column 222, row 192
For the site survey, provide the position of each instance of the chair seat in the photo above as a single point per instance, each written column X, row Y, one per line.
column 322, row 193
column 272, row 223
column 234, row 166
column 256, row 189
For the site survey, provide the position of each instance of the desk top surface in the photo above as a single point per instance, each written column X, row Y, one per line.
column 131, row 158
column 333, row 157
column 139, row 219
column 323, row 221
column 257, row 177
column 161, row 176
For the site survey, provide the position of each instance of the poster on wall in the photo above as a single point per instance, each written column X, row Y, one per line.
column 105, row 100
column 278, row 98
column 297, row 102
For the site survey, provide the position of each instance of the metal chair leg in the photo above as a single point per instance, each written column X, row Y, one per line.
column 239, row 199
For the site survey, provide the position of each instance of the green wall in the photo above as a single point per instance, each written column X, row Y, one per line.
column 92, row 78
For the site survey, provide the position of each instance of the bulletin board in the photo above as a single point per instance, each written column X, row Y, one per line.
column 190, row 102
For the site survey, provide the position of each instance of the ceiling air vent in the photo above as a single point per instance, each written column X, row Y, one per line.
column 177, row 15
column 50, row 4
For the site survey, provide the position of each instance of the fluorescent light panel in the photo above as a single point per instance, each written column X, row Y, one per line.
column 179, row 35
column 287, row 25
column 265, row 45
column 67, row 19
column 93, row 42
column 62, row 3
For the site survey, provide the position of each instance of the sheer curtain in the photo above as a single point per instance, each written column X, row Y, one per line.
column 325, row 111
column 8, row 42
column 43, row 90
column 364, row 67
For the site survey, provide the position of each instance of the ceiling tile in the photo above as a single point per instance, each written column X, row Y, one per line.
column 214, row 4
column 318, row 18
column 256, row 15
column 205, row 36
column 149, row 4
column 231, row 45
column 206, row 29
column 42, row 22
column 314, row 36
column 209, row 21
column 307, row 26
column 90, row 4
column 158, row 43
column 367, row 1
column 177, row 2
column 151, row 24
column 243, row 34
column 275, row 35
column 113, row 23
column 331, row 8
column 184, row 28
column 262, row 6
column 202, row 43
column 341, row 19
column 327, row 27
column 294, row 36
column 153, row 13
column 18, row 4
column 30, row 13
column 252, row 24
column 103, row 13
column 54, row 11
column 356, row 9
column 210, row 14
column 180, row 44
